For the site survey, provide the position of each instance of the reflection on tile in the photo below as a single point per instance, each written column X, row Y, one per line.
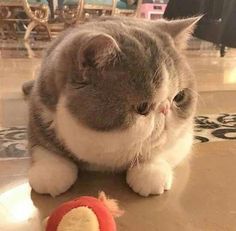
column 21, row 49
column 202, row 198
column 230, row 76
column 13, row 168
column 213, row 73
column 14, row 72
column 18, row 207
column 216, row 102
column 13, row 112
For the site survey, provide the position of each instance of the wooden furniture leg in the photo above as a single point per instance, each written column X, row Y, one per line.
column 222, row 50
column 30, row 27
column 48, row 31
column 51, row 6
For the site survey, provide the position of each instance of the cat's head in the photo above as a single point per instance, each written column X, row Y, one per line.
column 125, row 70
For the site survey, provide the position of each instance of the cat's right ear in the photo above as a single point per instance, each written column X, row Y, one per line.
column 98, row 51
column 180, row 29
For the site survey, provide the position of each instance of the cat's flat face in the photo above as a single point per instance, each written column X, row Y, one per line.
column 125, row 72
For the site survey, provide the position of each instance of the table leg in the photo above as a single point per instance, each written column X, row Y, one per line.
column 51, row 6
column 222, row 50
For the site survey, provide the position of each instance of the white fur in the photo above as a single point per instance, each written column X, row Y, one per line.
column 156, row 175
column 150, row 178
column 50, row 173
column 111, row 150
column 178, row 149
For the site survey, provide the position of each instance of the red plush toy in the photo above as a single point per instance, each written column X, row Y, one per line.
column 85, row 214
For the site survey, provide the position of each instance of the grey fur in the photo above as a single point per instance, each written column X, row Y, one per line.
column 27, row 87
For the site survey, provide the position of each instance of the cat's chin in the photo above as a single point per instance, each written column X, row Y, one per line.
column 113, row 149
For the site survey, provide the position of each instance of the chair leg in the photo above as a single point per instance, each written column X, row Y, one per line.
column 30, row 27
column 48, row 31
column 2, row 33
column 31, row 53
column 81, row 14
column 222, row 50
column 51, row 6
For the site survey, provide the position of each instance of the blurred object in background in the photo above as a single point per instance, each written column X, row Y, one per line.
column 218, row 23
column 153, row 9
column 76, row 11
column 127, row 7
column 23, row 17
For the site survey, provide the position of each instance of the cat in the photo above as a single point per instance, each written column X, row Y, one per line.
column 115, row 94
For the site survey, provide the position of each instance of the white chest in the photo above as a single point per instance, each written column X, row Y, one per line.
column 112, row 150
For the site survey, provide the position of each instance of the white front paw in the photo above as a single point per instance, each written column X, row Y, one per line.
column 150, row 178
column 51, row 174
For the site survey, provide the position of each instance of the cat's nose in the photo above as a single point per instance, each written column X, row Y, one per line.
column 143, row 108
column 164, row 107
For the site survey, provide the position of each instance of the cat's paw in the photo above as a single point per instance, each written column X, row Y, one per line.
column 150, row 178
column 53, row 175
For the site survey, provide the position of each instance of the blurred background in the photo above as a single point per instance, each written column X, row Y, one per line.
column 40, row 20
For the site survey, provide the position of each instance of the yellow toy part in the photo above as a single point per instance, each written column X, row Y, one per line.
column 79, row 219
column 85, row 214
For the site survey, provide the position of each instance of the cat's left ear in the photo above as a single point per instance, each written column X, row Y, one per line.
column 98, row 50
column 180, row 30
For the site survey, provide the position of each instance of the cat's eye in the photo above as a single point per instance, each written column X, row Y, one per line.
column 143, row 108
column 180, row 98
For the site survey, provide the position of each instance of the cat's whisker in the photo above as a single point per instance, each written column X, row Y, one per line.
column 194, row 91
column 158, row 71
column 197, row 94
column 135, row 161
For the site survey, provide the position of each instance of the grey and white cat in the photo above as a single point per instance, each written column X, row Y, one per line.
column 114, row 94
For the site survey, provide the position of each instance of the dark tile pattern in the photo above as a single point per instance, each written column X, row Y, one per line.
column 215, row 127
column 13, row 142
column 208, row 128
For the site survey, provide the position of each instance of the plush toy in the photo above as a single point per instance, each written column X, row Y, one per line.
column 85, row 214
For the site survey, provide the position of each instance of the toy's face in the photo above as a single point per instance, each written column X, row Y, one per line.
column 79, row 219
column 83, row 214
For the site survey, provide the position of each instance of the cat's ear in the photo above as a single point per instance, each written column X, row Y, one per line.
column 180, row 30
column 98, row 50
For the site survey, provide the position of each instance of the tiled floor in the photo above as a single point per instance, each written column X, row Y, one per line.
column 203, row 197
